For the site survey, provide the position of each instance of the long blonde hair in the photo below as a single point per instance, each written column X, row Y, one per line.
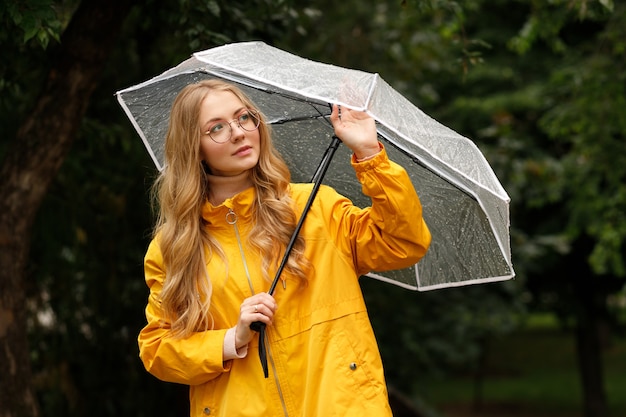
column 180, row 192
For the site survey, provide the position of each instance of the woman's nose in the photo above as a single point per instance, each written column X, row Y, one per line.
column 237, row 132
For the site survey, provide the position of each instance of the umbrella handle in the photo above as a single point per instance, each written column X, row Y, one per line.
column 317, row 181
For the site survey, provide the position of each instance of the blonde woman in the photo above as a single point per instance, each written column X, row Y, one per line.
column 227, row 210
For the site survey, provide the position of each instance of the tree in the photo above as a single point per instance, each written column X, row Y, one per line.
column 40, row 145
column 588, row 128
column 553, row 119
column 83, row 258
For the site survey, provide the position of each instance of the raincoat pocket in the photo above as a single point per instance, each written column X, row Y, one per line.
column 357, row 364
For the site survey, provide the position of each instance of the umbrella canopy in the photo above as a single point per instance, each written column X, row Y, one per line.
column 464, row 204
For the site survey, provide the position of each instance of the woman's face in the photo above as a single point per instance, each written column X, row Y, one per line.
column 239, row 153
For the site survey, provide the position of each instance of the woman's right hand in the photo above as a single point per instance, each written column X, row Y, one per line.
column 260, row 307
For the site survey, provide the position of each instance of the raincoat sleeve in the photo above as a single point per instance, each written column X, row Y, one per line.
column 391, row 234
column 192, row 360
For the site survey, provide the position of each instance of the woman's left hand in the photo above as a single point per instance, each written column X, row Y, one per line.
column 357, row 130
column 259, row 307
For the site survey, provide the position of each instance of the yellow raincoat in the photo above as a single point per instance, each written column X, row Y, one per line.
column 323, row 357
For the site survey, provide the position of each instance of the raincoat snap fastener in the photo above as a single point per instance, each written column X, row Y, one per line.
column 353, row 366
column 207, row 410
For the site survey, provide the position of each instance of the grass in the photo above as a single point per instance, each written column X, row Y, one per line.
column 532, row 372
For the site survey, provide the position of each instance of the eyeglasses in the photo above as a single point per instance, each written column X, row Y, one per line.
column 221, row 130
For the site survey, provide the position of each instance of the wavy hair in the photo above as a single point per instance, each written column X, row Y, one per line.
column 181, row 190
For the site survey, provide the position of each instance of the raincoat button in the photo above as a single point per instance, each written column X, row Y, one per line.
column 353, row 366
column 207, row 411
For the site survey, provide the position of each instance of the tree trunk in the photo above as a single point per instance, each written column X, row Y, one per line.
column 589, row 346
column 32, row 162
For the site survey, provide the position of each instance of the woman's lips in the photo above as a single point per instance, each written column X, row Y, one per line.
column 244, row 150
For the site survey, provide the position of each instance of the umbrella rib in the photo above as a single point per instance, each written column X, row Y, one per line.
column 297, row 119
column 370, row 93
column 262, row 85
column 418, row 161
column 241, row 80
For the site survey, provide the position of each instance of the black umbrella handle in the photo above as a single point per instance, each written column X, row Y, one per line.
column 317, row 182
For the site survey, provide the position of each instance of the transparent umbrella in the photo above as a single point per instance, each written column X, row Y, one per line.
column 464, row 204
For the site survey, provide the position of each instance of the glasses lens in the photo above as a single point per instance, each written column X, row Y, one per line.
column 220, row 132
column 249, row 120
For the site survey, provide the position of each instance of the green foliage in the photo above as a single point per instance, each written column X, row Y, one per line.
column 413, row 44
column 38, row 20
column 220, row 21
column 589, row 121
column 552, row 124
column 30, row 29
column 548, row 19
column 428, row 334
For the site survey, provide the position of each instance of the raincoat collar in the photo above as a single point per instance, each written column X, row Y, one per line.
column 240, row 204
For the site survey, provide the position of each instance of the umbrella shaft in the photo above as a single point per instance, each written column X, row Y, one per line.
column 317, row 181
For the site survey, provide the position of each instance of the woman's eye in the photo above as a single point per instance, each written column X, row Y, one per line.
column 216, row 128
column 244, row 117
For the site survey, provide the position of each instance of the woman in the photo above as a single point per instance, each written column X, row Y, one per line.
column 227, row 210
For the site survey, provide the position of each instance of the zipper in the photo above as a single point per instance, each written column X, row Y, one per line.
column 271, row 361
column 231, row 218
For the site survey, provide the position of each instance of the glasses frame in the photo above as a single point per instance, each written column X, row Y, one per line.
column 251, row 113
